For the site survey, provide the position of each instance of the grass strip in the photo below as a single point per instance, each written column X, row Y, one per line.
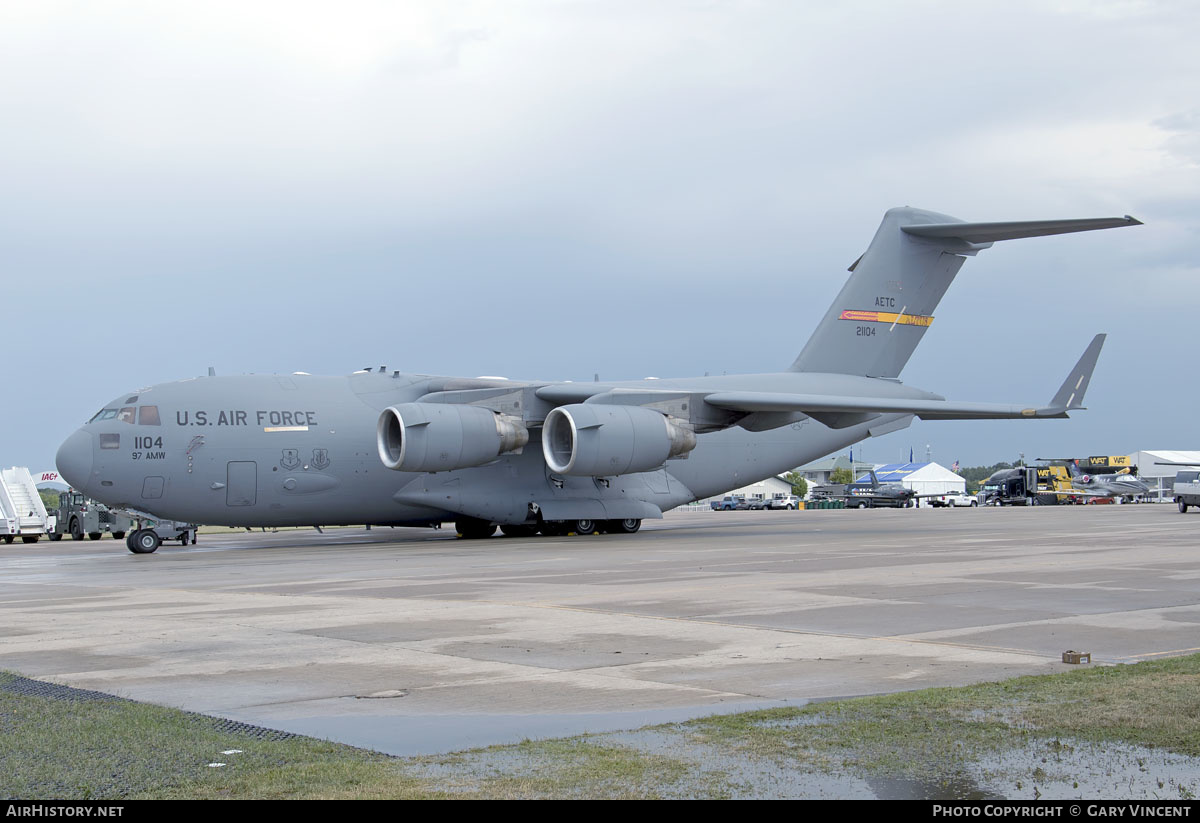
column 112, row 748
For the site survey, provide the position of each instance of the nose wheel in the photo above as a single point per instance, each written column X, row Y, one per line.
column 143, row 541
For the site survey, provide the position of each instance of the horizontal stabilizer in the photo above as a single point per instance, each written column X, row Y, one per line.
column 1013, row 230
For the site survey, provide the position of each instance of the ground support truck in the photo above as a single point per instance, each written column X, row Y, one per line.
column 78, row 516
column 22, row 513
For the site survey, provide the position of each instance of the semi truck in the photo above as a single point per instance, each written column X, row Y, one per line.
column 1012, row 487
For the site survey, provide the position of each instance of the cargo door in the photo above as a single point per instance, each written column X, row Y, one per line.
column 241, row 488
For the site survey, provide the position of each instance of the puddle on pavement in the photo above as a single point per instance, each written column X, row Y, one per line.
column 407, row 735
column 1042, row 769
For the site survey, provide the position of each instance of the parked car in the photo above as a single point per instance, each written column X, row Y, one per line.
column 730, row 503
column 784, row 501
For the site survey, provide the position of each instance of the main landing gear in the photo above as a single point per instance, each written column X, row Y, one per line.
column 469, row 528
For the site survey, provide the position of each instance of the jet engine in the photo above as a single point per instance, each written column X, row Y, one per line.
column 599, row 440
column 434, row 437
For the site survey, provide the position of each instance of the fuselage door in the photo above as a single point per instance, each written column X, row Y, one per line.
column 242, row 486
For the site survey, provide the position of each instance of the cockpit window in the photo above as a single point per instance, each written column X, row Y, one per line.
column 148, row 416
column 104, row 414
column 126, row 415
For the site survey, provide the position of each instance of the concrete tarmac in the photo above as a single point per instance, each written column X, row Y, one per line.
column 411, row 641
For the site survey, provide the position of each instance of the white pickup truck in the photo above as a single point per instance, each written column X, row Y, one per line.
column 950, row 499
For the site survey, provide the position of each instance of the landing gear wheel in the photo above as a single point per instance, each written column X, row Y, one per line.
column 76, row 530
column 144, row 541
column 471, row 528
column 627, row 526
column 518, row 531
column 118, row 535
column 553, row 528
column 584, row 527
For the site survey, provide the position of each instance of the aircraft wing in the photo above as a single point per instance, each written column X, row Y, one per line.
column 1068, row 397
column 925, row 409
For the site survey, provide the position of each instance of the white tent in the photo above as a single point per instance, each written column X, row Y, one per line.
column 923, row 478
column 1162, row 478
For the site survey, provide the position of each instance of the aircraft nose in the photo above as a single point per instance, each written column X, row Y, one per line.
column 74, row 459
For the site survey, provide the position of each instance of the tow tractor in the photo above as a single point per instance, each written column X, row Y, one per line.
column 78, row 516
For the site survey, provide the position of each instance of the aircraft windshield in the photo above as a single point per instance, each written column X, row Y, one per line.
column 143, row 415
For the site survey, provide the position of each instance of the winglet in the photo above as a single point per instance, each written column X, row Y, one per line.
column 1070, row 394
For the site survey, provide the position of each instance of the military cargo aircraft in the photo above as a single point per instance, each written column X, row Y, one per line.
column 402, row 449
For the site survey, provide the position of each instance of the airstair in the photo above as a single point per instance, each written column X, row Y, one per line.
column 21, row 509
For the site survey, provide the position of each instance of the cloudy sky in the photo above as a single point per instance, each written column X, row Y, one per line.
column 556, row 189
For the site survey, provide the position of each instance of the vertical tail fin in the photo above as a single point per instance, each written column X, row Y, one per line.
column 882, row 312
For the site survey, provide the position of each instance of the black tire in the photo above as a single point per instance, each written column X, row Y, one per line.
column 470, row 528
column 129, row 540
column 55, row 536
column 8, row 538
column 95, row 535
column 76, row 530
column 553, row 528
column 144, row 541
column 30, row 538
column 183, row 540
column 1182, row 507
column 583, row 526
column 518, row 531
column 627, row 526
column 118, row 535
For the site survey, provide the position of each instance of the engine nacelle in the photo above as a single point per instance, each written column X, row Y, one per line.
column 600, row 440
column 435, row 437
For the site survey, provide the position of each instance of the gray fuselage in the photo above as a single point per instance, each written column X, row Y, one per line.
column 276, row 450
